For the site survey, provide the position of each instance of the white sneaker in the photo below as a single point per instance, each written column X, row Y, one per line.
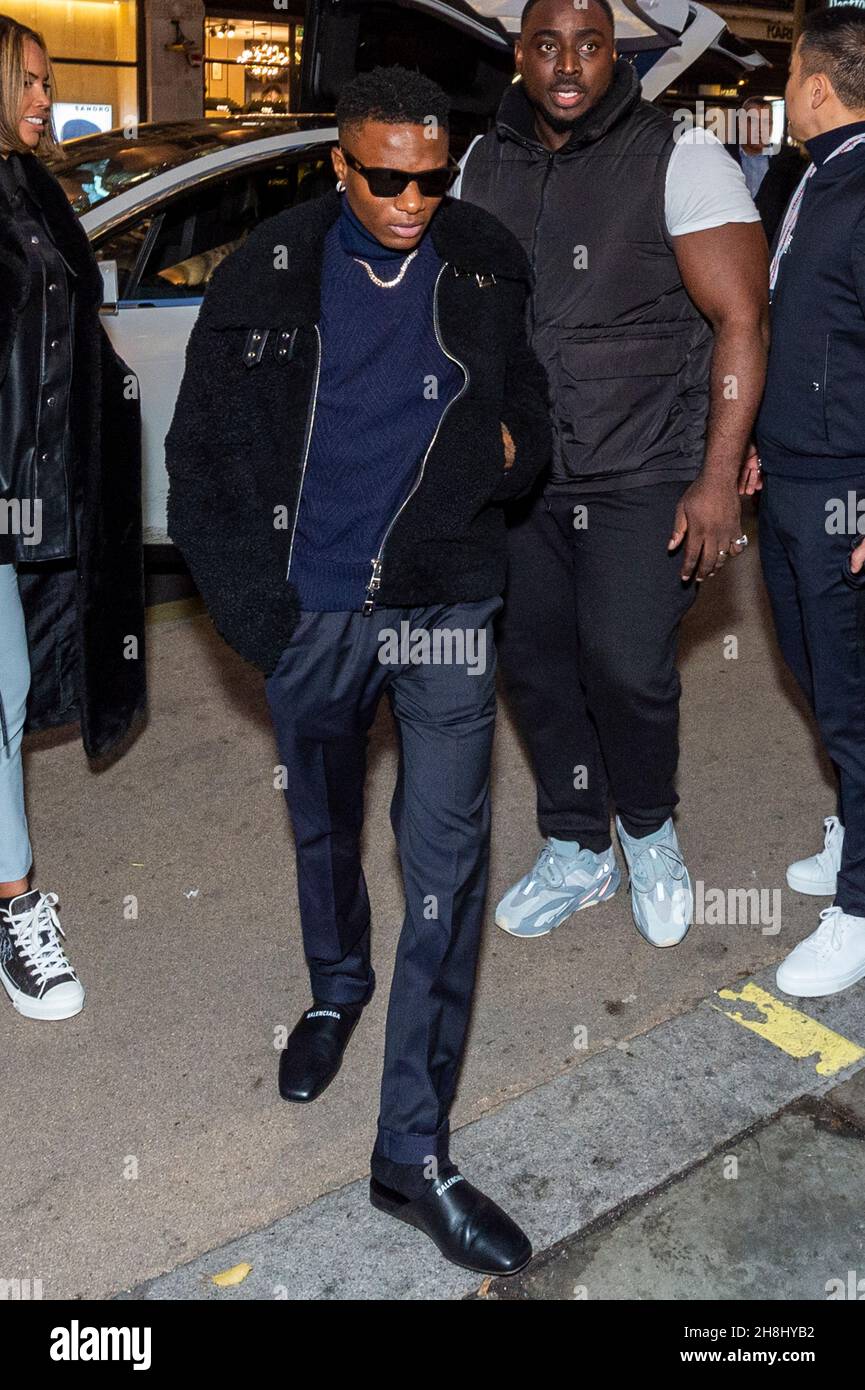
column 831, row 959
column 819, row 874
column 34, row 970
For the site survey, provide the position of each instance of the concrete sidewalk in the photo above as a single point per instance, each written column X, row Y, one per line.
column 148, row 1131
column 785, row 1223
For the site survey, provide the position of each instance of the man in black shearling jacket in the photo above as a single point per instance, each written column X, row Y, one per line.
column 337, row 463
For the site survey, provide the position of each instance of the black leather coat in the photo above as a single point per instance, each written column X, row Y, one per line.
column 84, row 598
column 34, row 395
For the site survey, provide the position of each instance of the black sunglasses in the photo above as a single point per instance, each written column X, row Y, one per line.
column 389, row 183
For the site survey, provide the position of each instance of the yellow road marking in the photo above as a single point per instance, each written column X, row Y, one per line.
column 791, row 1031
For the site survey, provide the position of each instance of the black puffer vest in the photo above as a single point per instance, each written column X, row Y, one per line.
column 627, row 353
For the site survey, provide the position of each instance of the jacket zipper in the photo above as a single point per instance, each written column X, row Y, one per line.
column 309, row 424
column 550, row 159
column 375, row 579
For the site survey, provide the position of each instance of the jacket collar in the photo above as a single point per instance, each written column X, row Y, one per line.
column 822, row 147
column 274, row 279
column 515, row 119
column 68, row 236
column 11, row 174
column 63, row 226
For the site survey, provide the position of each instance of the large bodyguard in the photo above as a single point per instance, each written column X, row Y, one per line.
column 649, row 314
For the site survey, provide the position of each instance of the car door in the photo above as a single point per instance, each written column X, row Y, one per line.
column 165, row 258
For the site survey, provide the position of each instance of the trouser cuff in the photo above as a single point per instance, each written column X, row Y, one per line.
column 413, row 1148
column 851, row 904
column 595, row 840
column 638, row 830
column 331, row 989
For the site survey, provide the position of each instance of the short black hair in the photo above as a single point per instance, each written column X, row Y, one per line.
column 395, row 96
column 604, row 4
column 833, row 41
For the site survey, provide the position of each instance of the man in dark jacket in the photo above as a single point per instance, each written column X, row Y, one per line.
column 811, row 438
column 770, row 177
column 649, row 313
column 336, row 461
column 777, row 188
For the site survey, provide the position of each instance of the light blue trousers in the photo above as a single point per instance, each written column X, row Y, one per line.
column 15, row 853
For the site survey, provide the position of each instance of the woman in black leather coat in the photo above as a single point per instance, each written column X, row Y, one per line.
column 71, row 594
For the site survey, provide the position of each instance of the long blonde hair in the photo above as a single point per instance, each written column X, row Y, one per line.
column 12, row 72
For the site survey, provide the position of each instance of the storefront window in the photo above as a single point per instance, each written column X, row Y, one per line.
column 251, row 65
column 92, row 44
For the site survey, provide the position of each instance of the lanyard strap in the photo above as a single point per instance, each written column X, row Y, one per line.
column 788, row 226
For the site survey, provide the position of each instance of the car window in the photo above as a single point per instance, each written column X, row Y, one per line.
column 125, row 247
column 97, row 167
column 173, row 252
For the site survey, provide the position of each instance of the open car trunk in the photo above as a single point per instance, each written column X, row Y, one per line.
column 466, row 53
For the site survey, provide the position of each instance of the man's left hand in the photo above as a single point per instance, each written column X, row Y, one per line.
column 708, row 519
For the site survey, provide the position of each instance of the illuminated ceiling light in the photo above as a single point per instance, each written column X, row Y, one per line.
column 265, row 59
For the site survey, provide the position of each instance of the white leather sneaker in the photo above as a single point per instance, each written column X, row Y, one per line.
column 831, row 959
column 819, row 874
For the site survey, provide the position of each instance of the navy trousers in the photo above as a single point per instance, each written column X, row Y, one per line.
column 323, row 698
column 820, row 622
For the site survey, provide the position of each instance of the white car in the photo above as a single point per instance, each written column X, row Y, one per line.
column 161, row 212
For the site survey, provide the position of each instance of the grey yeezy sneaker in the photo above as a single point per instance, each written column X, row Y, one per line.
column 661, row 896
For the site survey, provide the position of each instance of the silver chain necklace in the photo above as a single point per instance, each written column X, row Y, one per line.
column 387, row 284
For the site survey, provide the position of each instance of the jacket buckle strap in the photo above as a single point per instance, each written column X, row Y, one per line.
column 285, row 348
column 255, row 343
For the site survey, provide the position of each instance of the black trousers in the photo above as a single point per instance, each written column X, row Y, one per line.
column 587, row 644
column 323, row 698
column 820, row 623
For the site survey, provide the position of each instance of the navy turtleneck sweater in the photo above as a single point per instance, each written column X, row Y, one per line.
column 383, row 385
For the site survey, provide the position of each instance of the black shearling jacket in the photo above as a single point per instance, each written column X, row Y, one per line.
column 237, row 446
